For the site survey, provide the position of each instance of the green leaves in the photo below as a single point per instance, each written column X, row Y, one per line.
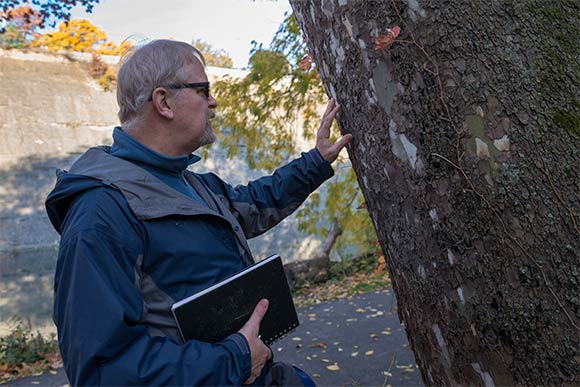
column 273, row 113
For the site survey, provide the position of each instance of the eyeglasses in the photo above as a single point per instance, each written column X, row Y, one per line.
column 204, row 85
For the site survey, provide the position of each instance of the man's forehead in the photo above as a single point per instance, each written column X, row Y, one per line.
column 195, row 69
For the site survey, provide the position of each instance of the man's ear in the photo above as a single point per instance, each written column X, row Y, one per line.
column 161, row 103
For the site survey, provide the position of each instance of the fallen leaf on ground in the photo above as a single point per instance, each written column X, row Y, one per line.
column 333, row 367
column 296, row 339
column 368, row 353
column 354, row 354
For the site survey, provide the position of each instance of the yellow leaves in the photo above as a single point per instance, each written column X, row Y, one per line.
column 212, row 56
column 382, row 265
column 110, row 48
column 369, row 353
column 318, row 345
column 76, row 35
column 333, row 367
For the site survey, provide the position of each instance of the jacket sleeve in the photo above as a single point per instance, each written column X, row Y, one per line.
column 98, row 308
column 263, row 203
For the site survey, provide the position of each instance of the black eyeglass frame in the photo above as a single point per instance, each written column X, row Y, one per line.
column 192, row 85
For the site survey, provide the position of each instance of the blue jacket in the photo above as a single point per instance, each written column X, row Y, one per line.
column 131, row 246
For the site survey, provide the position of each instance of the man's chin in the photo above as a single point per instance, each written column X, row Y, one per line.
column 208, row 139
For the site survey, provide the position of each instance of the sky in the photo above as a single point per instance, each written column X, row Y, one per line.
column 230, row 25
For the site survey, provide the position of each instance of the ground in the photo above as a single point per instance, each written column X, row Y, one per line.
column 24, row 353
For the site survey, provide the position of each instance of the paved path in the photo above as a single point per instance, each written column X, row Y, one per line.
column 355, row 341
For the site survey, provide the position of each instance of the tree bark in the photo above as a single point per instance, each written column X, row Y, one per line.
column 467, row 149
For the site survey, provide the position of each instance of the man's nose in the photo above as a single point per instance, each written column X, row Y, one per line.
column 211, row 102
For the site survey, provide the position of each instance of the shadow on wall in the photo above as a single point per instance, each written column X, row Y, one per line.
column 28, row 243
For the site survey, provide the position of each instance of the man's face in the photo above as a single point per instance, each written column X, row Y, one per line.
column 194, row 111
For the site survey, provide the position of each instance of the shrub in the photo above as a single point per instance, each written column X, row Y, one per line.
column 22, row 346
column 97, row 68
column 23, row 353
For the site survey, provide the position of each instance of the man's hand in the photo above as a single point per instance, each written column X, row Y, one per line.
column 327, row 148
column 259, row 351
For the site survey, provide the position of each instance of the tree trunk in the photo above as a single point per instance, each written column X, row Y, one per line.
column 315, row 269
column 467, row 149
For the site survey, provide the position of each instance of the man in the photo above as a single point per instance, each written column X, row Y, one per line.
column 139, row 232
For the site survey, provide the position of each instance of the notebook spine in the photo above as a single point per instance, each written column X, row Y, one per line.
column 283, row 333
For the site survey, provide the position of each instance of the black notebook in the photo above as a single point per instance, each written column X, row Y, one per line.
column 222, row 309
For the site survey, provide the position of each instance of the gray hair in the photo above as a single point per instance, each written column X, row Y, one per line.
column 144, row 68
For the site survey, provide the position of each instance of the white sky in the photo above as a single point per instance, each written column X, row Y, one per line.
column 230, row 25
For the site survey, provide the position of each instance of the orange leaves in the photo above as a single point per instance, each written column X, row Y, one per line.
column 383, row 41
column 306, row 62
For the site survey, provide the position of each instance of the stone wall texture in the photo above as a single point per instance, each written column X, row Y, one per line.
column 50, row 112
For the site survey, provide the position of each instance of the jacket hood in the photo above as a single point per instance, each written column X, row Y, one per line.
column 147, row 196
column 68, row 187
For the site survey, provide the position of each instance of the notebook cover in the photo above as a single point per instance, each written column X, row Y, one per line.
column 213, row 314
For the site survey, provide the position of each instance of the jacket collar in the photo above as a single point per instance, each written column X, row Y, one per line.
column 147, row 196
column 127, row 148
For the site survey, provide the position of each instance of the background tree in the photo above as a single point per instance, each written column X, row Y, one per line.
column 22, row 28
column 212, row 56
column 75, row 35
column 49, row 11
column 467, row 146
column 264, row 115
column 111, row 48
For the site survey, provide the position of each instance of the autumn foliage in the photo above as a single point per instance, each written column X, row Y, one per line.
column 385, row 40
column 22, row 29
column 46, row 11
column 76, row 35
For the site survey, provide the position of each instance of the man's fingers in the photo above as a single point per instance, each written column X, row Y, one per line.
column 329, row 106
column 326, row 124
column 341, row 143
column 253, row 324
column 331, row 110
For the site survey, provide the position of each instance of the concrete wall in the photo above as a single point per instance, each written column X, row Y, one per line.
column 50, row 111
